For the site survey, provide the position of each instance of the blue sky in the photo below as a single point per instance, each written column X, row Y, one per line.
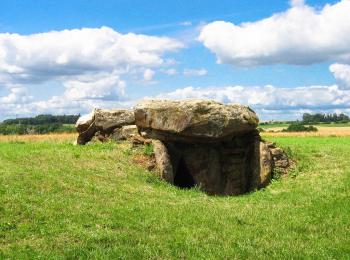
column 278, row 77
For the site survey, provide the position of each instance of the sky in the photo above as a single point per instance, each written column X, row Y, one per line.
column 282, row 58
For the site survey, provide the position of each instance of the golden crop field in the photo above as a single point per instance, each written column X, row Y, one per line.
column 36, row 137
column 322, row 131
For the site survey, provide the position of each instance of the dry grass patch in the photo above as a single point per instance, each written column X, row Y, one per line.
column 39, row 138
column 322, row 131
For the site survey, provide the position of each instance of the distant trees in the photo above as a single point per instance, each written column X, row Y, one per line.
column 325, row 118
column 40, row 124
column 35, row 129
column 43, row 119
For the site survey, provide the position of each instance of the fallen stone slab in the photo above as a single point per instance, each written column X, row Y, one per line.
column 102, row 123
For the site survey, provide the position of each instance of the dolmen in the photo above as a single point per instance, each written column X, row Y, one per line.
column 202, row 143
column 207, row 144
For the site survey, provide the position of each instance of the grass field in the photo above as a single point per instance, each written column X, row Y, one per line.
column 63, row 201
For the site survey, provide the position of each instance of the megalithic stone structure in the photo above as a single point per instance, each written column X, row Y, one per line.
column 206, row 143
column 196, row 142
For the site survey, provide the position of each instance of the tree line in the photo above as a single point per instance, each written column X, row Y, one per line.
column 325, row 118
column 41, row 124
column 43, row 119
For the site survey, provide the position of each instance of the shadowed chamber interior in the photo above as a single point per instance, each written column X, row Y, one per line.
column 183, row 178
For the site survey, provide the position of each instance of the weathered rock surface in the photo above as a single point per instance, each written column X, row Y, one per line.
column 102, row 123
column 263, row 168
column 84, row 122
column 124, row 133
column 193, row 120
column 129, row 131
column 107, row 120
column 280, row 159
column 163, row 160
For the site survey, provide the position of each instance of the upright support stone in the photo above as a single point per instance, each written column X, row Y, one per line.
column 163, row 161
column 262, row 166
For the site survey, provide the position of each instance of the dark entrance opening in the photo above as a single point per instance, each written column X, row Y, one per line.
column 183, row 178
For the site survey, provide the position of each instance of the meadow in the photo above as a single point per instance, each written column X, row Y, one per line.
column 61, row 201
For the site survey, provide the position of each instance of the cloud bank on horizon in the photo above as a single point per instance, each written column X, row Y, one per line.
column 95, row 66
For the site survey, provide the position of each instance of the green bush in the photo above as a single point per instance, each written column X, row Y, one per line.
column 12, row 129
column 300, row 128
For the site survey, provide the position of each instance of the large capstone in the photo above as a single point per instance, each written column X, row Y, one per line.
column 206, row 144
column 103, row 123
column 193, row 120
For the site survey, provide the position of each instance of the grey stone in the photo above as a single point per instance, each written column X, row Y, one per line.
column 123, row 133
column 107, row 120
column 263, row 168
column 103, row 123
column 193, row 120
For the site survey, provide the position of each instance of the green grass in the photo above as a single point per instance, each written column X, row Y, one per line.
column 63, row 201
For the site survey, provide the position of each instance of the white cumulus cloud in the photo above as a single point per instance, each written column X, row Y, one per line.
column 300, row 35
column 342, row 74
column 71, row 55
column 101, row 86
column 92, row 64
column 27, row 58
